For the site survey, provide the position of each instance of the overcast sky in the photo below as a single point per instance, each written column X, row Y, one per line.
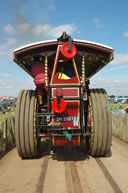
column 102, row 21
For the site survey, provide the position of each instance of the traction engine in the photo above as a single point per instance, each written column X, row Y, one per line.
column 62, row 108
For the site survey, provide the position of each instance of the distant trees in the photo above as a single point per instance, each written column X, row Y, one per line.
column 112, row 96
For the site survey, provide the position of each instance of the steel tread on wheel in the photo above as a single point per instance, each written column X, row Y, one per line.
column 100, row 123
column 25, row 125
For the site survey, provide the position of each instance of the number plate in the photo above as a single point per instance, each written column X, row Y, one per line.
column 64, row 119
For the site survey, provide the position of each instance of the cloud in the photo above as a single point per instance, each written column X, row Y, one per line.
column 5, row 75
column 116, row 87
column 9, row 29
column 13, row 87
column 125, row 34
column 97, row 22
column 57, row 31
column 114, row 68
column 8, row 43
column 7, row 48
column 42, row 30
column 120, row 58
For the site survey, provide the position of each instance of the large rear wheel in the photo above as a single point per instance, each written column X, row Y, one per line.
column 27, row 142
column 100, row 123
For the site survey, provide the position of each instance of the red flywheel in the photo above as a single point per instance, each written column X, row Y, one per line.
column 66, row 53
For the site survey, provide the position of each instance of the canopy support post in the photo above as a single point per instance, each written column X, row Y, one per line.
column 83, row 70
column 46, row 71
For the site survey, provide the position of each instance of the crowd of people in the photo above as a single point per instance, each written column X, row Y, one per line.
column 120, row 110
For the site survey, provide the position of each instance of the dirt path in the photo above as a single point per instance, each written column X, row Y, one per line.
column 66, row 171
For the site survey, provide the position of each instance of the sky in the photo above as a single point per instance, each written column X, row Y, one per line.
column 102, row 21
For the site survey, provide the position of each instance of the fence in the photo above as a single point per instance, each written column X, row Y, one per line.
column 7, row 136
column 120, row 126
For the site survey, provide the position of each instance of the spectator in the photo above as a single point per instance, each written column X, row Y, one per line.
column 126, row 110
column 112, row 108
column 120, row 110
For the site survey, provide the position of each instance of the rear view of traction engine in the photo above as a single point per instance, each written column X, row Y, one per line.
column 62, row 108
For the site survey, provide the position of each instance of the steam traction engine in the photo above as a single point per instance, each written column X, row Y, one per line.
column 62, row 108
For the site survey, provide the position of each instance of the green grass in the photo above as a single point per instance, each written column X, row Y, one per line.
column 4, row 115
column 117, row 105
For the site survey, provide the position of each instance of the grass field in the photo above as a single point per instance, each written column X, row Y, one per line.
column 8, row 113
column 117, row 105
column 4, row 115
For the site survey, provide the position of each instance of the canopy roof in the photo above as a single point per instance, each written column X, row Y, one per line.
column 97, row 55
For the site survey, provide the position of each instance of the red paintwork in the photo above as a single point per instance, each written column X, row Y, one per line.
column 66, row 92
column 38, row 73
column 62, row 140
column 62, row 57
column 72, row 110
